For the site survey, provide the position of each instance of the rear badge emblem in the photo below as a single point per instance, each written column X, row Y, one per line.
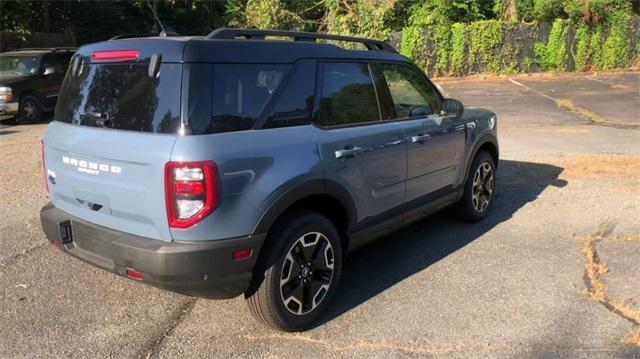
column 91, row 168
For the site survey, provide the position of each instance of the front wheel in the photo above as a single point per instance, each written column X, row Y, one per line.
column 30, row 110
column 478, row 189
column 303, row 269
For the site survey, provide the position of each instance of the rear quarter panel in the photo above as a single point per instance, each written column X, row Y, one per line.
column 255, row 168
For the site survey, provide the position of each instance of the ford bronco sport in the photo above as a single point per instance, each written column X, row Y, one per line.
column 240, row 164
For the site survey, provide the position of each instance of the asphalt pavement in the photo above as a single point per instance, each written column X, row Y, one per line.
column 551, row 272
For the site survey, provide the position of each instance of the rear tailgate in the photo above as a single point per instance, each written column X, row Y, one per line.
column 115, row 125
column 108, row 177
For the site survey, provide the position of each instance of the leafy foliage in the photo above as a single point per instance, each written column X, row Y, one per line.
column 446, row 37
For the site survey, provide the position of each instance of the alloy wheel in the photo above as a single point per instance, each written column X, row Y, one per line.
column 306, row 273
column 482, row 187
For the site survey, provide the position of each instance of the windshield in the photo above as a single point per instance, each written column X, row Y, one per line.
column 122, row 96
column 26, row 65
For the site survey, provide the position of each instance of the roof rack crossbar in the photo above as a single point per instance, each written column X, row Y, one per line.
column 255, row 34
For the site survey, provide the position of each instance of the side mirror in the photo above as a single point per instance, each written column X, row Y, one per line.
column 453, row 108
column 420, row 111
column 49, row 70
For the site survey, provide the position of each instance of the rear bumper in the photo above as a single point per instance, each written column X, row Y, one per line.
column 203, row 269
column 8, row 110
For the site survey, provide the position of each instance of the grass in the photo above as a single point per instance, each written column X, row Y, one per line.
column 596, row 288
column 569, row 105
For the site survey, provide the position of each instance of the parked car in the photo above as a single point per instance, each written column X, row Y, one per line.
column 30, row 80
column 234, row 164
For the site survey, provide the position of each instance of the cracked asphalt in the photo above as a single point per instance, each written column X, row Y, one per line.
column 526, row 282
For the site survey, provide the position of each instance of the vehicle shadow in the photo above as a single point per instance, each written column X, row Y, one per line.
column 9, row 122
column 381, row 265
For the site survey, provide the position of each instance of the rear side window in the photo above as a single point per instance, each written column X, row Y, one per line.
column 411, row 94
column 122, row 96
column 293, row 105
column 240, row 92
column 348, row 95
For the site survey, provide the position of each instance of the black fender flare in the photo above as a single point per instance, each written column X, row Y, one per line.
column 299, row 192
column 483, row 139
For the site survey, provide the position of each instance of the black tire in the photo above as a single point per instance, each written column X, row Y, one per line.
column 282, row 272
column 472, row 206
column 30, row 110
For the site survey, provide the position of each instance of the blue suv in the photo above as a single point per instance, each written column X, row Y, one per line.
column 241, row 163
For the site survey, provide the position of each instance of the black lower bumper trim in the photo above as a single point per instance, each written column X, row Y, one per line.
column 203, row 269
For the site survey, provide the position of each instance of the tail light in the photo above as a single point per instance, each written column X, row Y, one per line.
column 44, row 168
column 190, row 192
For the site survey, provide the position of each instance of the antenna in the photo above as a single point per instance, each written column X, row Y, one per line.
column 155, row 16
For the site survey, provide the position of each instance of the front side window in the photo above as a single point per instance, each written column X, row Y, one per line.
column 240, row 92
column 411, row 94
column 348, row 95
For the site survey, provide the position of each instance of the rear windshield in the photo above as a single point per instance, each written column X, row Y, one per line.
column 122, row 96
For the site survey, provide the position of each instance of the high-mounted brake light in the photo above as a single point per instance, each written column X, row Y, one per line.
column 115, row 55
column 44, row 168
column 191, row 192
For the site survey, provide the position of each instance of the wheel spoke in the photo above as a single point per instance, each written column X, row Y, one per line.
column 322, row 276
column 298, row 254
column 294, row 288
column 314, row 289
column 317, row 259
column 307, row 298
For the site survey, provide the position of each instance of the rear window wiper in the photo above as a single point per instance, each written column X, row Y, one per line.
column 101, row 119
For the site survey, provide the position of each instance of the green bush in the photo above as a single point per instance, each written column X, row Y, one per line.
column 553, row 55
column 412, row 45
column 617, row 47
column 582, row 54
column 597, row 53
column 458, row 45
column 485, row 37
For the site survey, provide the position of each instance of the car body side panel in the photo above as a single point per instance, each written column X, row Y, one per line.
column 375, row 177
column 255, row 167
column 481, row 127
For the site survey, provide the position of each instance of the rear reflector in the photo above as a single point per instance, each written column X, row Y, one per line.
column 115, row 55
column 241, row 254
column 134, row 274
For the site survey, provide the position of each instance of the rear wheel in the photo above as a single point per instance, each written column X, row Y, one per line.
column 30, row 110
column 478, row 189
column 301, row 274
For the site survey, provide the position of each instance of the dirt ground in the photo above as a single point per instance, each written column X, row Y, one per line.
column 551, row 272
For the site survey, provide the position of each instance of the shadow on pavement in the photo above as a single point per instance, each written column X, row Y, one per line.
column 390, row 260
column 9, row 122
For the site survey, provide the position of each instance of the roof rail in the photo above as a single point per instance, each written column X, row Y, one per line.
column 255, row 34
column 53, row 49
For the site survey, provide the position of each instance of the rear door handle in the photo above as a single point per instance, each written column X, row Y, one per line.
column 348, row 152
column 420, row 138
